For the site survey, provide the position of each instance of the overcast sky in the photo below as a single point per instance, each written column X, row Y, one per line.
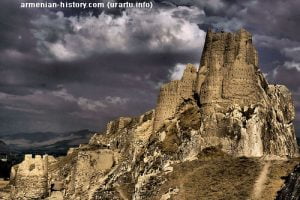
column 65, row 70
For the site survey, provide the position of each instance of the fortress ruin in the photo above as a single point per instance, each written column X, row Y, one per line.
column 31, row 177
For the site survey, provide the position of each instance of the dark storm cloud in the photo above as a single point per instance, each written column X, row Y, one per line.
column 71, row 69
column 14, row 25
column 81, row 72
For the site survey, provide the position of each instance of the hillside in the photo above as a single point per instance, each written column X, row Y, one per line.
column 221, row 132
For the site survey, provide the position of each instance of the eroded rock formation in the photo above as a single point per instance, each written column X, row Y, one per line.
column 238, row 109
column 225, row 109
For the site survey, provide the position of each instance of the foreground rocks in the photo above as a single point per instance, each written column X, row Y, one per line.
column 221, row 120
column 291, row 189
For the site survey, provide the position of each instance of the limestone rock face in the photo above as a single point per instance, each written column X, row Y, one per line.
column 238, row 109
column 226, row 107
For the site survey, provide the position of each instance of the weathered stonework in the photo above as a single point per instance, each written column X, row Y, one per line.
column 31, row 179
column 235, row 100
column 232, row 75
column 225, row 109
column 174, row 93
column 114, row 126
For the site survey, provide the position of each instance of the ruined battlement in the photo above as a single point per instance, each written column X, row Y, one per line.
column 229, row 71
column 34, row 166
column 228, row 74
column 173, row 93
column 115, row 125
column 226, row 107
column 30, row 157
column 32, row 174
column 225, row 47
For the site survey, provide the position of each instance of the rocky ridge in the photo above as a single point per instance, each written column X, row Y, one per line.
column 224, row 114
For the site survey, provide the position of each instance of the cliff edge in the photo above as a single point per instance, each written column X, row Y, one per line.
column 217, row 129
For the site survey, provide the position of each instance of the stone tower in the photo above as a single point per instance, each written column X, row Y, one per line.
column 229, row 71
column 238, row 109
column 31, row 178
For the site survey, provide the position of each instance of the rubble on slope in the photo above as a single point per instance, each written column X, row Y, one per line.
column 227, row 105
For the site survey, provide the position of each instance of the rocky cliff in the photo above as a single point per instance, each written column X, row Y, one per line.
column 238, row 109
column 291, row 190
column 210, row 137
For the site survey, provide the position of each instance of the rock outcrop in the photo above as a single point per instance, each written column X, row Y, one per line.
column 238, row 109
column 211, row 117
column 291, row 189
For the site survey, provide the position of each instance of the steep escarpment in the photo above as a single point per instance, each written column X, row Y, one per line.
column 238, row 109
column 209, row 136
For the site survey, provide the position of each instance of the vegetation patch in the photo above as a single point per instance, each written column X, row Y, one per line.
column 214, row 178
column 63, row 161
column 190, row 119
column 278, row 171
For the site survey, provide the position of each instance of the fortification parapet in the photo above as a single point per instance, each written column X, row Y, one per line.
column 115, row 125
column 230, row 71
column 173, row 93
column 31, row 179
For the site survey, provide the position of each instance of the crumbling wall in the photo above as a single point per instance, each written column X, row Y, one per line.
column 116, row 125
column 187, row 82
column 91, row 167
column 31, row 179
column 173, row 93
column 232, row 72
column 226, row 106
column 238, row 108
column 167, row 102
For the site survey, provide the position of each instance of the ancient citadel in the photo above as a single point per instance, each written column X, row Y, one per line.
column 223, row 114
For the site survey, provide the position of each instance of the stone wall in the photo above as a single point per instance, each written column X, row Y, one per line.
column 173, row 93
column 238, row 109
column 226, row 107
column 115, row 125
column 229, row 61
column 91, row 167
column 31, row 179
column 227, row 75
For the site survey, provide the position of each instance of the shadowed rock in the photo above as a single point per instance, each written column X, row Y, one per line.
column 213, row 117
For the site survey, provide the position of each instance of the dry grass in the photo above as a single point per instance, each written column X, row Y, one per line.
column 126, row 185
column 62, row 161
column 213, row 177
column 218, row 176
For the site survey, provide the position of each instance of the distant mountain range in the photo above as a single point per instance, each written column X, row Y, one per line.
column 46, row 142
column 4, row 148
